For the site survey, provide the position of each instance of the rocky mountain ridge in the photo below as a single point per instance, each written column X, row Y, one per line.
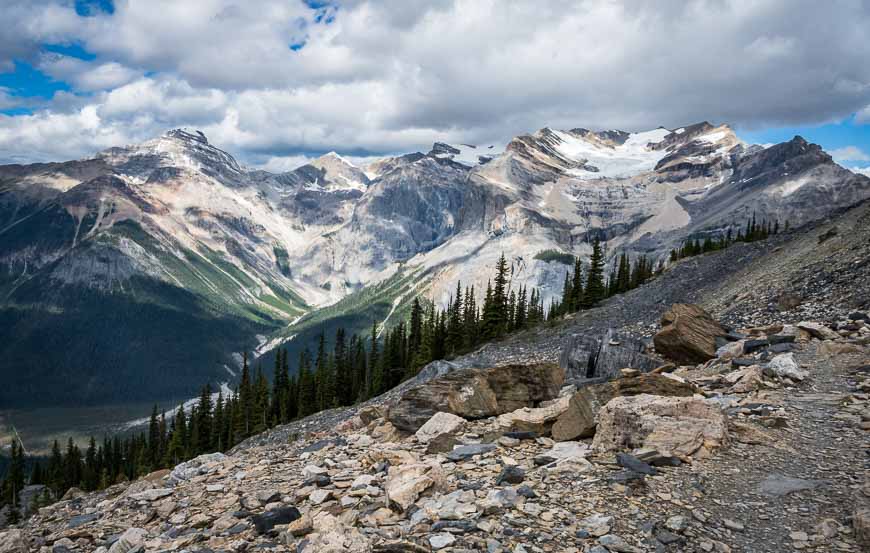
column 177, row 222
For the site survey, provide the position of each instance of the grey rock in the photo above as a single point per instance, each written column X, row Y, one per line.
column 634, row 464
column 778, row 485
column 464, row 452
column 511, row 474
column 265, row 522
column 587, row 356
column 79, row 520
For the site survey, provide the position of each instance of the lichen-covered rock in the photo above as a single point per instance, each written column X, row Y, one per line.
column 688, row 334
column 477, row 393
column 679, row 426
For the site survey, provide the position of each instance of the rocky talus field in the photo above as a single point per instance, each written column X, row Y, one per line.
column 723, row 407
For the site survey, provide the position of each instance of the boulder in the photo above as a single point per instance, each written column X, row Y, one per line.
column 580, row 417
column 334, row 536
column 745, row 380
column 584, row 356
column 688, row 334
column 386, row 432
column 818, row 330
column 467, row 451
column 371, row 413
column 477, row 393
column 679, row 426
column 266, row 522
column 534, row 419
column 784, row 366
column 440, row 424
column 406, row 482
column 730, row 350
column 132, row 539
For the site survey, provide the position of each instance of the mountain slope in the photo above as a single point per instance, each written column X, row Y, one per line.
column 171, row 243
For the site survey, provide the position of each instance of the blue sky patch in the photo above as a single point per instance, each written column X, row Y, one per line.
column 89, row 8
column 28, row 82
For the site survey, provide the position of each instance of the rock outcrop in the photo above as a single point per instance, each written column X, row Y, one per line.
column 688, row 334
column 588, row 356
column 477, row 393
column 575, row 416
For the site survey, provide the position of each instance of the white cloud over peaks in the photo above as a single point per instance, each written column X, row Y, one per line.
column 849, row 153
column 392, row 76
column 862, row 170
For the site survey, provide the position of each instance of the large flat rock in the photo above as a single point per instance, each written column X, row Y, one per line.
column 477, row 393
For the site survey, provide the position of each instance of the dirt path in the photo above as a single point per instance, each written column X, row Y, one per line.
column 801, row 475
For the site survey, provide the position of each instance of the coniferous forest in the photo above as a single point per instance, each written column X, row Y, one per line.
column 354, row 369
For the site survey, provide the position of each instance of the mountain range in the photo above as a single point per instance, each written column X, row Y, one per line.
column 145, row 271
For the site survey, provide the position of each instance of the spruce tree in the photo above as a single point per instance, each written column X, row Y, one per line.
column 415, row 334
column 341, row 377
column 454, row 324
column 594, row 291
column 577, row 292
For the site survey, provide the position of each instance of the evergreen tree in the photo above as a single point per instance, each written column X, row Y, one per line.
column 576, row 299
column 342, row 392
column 415, row 334
column 374, row 379
column 595, row 289
column 307, row 394
column 454, row 323
column 246, row 402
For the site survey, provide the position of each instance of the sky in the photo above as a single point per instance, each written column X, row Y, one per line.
column 276, row 82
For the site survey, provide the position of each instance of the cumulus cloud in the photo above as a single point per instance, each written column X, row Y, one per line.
column 370, row 77
column 87, row 76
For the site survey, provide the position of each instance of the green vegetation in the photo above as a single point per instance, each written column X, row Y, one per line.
column 555, row 255
column 753, row 231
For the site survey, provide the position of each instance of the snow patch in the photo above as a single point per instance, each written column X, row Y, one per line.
column 630, row 158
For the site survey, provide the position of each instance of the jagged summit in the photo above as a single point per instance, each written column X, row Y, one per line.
column 187, row 134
